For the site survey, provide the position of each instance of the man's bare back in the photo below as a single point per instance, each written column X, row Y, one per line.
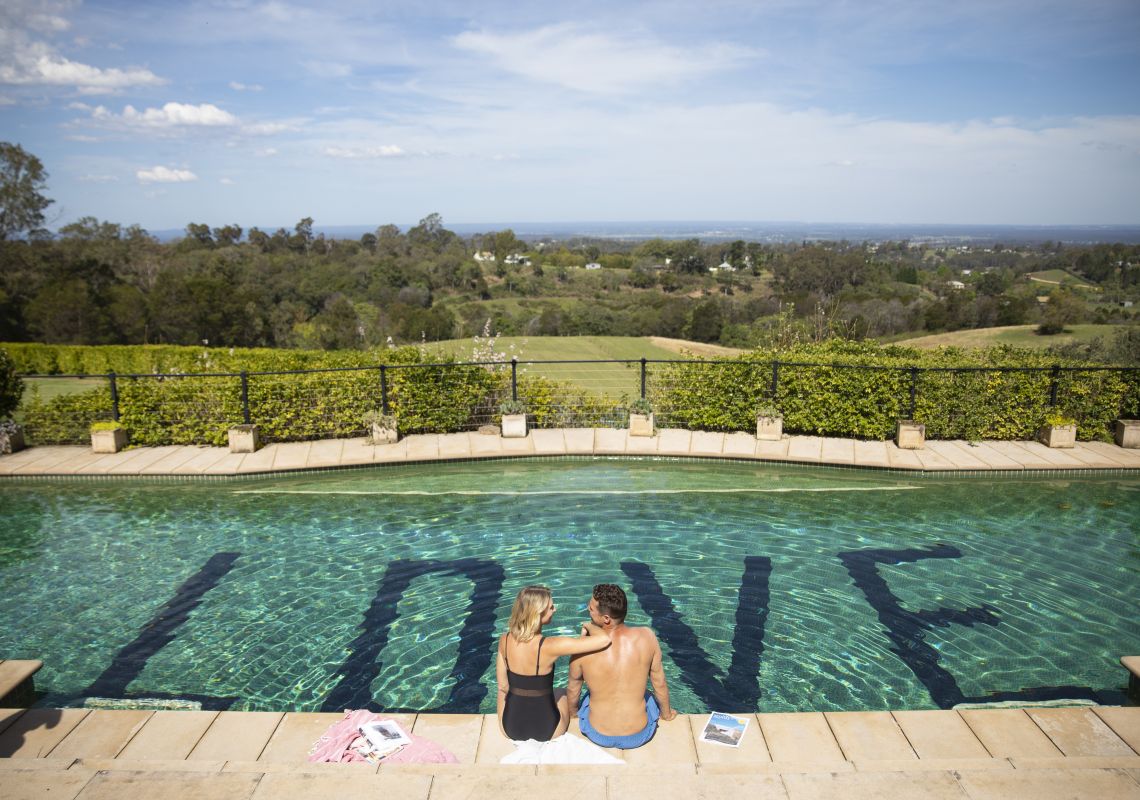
column 617, row 678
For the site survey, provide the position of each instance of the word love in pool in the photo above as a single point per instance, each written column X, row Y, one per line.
column 738, row 689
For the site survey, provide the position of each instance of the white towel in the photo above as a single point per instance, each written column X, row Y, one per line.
column 566, row 749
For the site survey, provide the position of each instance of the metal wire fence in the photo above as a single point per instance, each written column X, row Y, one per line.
column 827, row 399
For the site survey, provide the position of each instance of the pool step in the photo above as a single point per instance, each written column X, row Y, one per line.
column 17, row 689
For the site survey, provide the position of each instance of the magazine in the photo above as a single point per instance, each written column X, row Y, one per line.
column 724, row 729
column 384, row 737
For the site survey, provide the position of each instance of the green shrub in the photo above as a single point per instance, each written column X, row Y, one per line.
column 11, row 387
column 66, row 419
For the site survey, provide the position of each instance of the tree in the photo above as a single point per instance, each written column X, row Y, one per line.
column 11, row 387
column 1064, row 308
column 22, row 203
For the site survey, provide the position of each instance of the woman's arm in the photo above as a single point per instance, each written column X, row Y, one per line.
column 501, row 680
column 591, row 640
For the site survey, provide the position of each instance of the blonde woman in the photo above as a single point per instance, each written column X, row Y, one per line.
column 527, row 706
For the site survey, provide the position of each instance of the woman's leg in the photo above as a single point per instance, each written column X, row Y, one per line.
column 563, row 712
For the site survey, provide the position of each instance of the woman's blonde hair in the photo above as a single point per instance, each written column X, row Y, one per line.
column 526, row 615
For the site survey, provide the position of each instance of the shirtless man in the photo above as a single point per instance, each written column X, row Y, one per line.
column 618, row 711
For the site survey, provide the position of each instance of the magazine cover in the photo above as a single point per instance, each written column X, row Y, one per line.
column 384, row 736
column 724, row 729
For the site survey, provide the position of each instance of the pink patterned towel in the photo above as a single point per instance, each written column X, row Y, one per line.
column 338, row 744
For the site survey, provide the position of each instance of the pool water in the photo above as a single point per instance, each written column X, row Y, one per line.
column 771, row 588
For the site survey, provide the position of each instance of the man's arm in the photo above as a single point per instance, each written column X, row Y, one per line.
column 657, row 679
column 574, row 684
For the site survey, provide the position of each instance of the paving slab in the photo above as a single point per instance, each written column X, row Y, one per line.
column 1126, row 458
column 1015, row 451
column 752, row 748
column 205, row 457
column 312, row 786
column 147, row 765
column 706, row 443
column 229, row 464
column 37, row 784
column 291, row 455
column 454, row 445
column 548, row 441
column 609, row 440
column 703, row 787
column 101, row 734
column 8, row 716
column 672, row 744
column 1125, row 722
column 837, row 451
column 117, row 785
column 481, row 445
column 516, row 786
column 674, row 442
column 48, row 763
column 579, row 440
column 1008, row 733
column 146, row 457
column 1079, row 732
column 957, row 453
column 939, row 735
column 932, row 460
column 356, row 451
column 459, row 733
column 36, row 732
column 326, row 453
column 47, row 454
column 169, row 463
column 1078, row 762
column 297, row 734
column 1059, row 458
column 874, row 786
column 773, row 451
column 493, row 745
column 1092, row 459
column 86, row 463
column 902, row 459
column 422, row 447
column 799, row 737
column 390, row 453
column 739, row 444
column 871, row 454
column 775, row 767
column 990, row 456
column 1049, row 784
column 518, row 447
column 869, row 735
column 362, row 767
column 169, row 734
column 932, row 764
column 642, row 445
column 805, row 448
column 236, row 735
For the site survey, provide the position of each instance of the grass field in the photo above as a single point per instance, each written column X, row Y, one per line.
column 1014, row 335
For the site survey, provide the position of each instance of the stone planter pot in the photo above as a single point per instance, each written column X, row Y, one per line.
column 769, row 429
column 12, row 442
column 910, row 435
column 514, row 426
column 641, row 424
column 1058, row 435
column 244, row 439
column 1128, row 433
column 383, row 434
column 108, row 441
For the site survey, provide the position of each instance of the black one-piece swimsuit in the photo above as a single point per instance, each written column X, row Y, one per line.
column 530, row 711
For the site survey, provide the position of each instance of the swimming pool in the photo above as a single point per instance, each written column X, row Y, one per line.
column 771, row 588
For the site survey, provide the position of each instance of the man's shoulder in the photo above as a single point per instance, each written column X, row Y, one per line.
column 641, row 634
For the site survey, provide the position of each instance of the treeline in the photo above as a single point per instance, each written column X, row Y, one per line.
column 99, row 282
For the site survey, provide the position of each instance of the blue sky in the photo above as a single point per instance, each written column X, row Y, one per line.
column 364, row 113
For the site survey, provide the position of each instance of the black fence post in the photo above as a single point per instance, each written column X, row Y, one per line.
column 114, row 396
column 775, row 378
column 1053, row 384
column 913, row 391
column 384, row 390
column 245, row 397
column 643, row 377
column 514, row 378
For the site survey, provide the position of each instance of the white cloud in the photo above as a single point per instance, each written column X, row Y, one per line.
column 228, row 182
column 371, row 151
column 162, row 174
column 265, row 152
column 267, row 128
column 171, row 115
column 98, row 178
column 575, row 57
column 237, row 86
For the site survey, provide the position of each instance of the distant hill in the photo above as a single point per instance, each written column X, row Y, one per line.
column 1013, row 335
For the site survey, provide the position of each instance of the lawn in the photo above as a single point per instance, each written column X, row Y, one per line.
column 1058, row 277
column 1014, row 335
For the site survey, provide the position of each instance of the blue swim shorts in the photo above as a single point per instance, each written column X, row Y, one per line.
column 622, row 742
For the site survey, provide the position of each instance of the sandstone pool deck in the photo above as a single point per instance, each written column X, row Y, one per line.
column 937, row 456
column 1038, row 753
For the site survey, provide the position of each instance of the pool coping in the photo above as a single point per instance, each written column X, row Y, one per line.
column 958, row 458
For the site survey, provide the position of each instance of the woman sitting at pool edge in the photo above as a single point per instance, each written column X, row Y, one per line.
column 527, row 706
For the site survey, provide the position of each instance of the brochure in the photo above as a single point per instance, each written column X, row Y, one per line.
column 724, row 729
column 384, row 737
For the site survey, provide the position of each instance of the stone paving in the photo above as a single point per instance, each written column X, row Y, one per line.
column 1039, row 753
column 937, row 456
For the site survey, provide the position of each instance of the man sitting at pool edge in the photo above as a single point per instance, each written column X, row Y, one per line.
column 618, row 711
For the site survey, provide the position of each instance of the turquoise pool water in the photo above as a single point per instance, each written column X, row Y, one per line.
column 771, row 588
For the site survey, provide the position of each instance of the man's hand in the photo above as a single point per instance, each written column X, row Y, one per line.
column 669, row 716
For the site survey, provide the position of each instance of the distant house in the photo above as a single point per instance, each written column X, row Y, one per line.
column 593, row 265
column 484, row 256
column 517, row 259
column 724, row 266
column 956, row 285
